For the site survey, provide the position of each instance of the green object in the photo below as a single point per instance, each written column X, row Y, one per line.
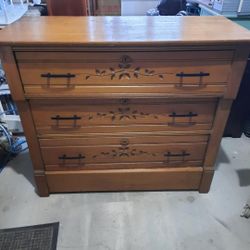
column 245, row 22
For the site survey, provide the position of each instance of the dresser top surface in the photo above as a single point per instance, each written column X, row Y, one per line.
column 129, row 31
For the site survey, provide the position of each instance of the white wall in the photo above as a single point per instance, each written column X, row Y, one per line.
column 137, row 7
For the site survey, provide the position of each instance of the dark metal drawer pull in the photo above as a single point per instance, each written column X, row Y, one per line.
column 49, row 75
column 188, row 123
column 200, row 74
column 168, row 155
column 65, row 157
column 190, row 114
column 185, row 86
column 58, row 117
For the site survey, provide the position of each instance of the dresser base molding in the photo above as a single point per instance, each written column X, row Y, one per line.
column 124, row 180
column 206, row 180
column 191, row 178
column 41, row 185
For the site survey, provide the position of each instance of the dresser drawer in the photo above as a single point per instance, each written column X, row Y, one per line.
column 83, row 73
column 123, row 152
column 57, row 117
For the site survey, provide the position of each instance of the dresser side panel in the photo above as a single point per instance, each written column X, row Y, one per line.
column 220, row 121
column 238, row 68
column 15, row 85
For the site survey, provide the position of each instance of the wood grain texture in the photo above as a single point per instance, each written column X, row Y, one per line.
column 95, row 87
column 120, row 180
column 90, row 139
column 84, row 55
column 139, row 73
column 15, row 85
column 12, row 74
column 136, row 72
column 133, row 31
column 41, row 183
column 220, row 121
column 238, row 68
column 111, row 91
column 206, row 180
column 168, row 155
column 57, row 117
column 128, row 68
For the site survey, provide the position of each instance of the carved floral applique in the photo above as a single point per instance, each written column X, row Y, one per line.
column 122, row 113
column 125, row 71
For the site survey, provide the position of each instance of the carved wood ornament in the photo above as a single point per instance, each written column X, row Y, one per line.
column 125, row 71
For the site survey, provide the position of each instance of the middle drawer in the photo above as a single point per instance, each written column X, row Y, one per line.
column 140, row 115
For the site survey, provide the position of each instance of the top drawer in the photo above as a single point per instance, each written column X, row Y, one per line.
column 100, row 73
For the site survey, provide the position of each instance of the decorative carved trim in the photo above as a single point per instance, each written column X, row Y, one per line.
column 125, row 71
column 123, row 151
column 122, row 113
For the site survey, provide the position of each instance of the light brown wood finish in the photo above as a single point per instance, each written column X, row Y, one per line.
column 85, row 55
column 220, row 121
column 111, row 74
column 129, row 68
column 42, row 185
column 26, row 118
column 85, row 73
column 238, row 67
column 81, row 117
column 167, row 154
column 127, row 31
column 150, row 90
column 114, row 115
column 10, row 68
column 120, row 180
column 218, row 129
column 206, row 180
column 106, row 139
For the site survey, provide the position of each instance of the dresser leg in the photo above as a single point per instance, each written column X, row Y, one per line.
column 206, row 181
column 41, row 186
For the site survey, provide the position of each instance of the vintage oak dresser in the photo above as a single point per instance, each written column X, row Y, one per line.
column 124, row 103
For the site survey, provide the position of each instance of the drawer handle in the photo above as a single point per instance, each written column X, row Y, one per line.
column 191, row 86
column 200, row 74
column 183, row 154
column 65, row 157
column 49, row 75
column 67, row 76
column 58, row 117
column 190, row 115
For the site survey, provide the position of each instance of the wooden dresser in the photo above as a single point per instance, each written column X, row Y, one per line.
column 124, row 103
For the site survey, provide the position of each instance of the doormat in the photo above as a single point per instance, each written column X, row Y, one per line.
column 38, row 237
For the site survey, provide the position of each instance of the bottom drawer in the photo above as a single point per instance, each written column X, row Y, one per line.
column 124, row 180
column 123, row 152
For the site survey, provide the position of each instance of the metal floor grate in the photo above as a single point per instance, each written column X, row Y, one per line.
column 39, row 237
